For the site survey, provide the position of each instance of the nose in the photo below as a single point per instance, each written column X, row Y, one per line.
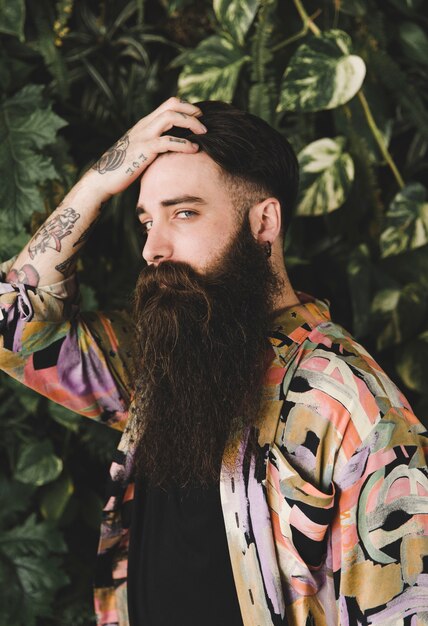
column 158, row 246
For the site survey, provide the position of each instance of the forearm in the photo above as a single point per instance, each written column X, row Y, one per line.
column 51, row 254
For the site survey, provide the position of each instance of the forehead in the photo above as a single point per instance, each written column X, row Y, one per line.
column 181, row 175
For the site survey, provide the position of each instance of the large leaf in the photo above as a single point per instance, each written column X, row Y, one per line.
column 211, row 70
column 27, row 125
column 12, row 17
column 37, row 464
column 322, row 74
column 55, row 497
column 236, row 16
column 412, row 359
column 406, row 221
column 390, row 310
column 30, row 572
column 327, row 173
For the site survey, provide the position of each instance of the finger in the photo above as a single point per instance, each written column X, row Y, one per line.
column 166, row 120
column 178, row 104
column 172, row 104
column 174, row 144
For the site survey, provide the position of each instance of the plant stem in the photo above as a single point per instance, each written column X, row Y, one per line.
column 297, row 36
column 308, row 24
column 306, row 19
column 379, row 139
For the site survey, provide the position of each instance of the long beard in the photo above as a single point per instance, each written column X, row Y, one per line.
column 201, row 353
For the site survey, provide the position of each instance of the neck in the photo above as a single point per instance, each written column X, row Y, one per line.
column 287, row 297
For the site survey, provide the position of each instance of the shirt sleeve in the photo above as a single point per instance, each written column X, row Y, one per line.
column 380, row 534
column 354, row 509
column 79, row 360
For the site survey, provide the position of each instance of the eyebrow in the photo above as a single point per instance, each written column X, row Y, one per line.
column 186, row 199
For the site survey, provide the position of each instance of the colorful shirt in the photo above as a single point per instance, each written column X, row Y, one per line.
column 326, row 521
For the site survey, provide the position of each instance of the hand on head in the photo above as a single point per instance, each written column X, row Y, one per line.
column 127, row 159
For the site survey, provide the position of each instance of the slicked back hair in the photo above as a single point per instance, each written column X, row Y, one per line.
column 256, row 160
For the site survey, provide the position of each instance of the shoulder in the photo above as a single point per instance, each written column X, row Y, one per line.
column 334, row 401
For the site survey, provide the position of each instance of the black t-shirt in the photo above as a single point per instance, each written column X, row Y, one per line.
column 179, row 566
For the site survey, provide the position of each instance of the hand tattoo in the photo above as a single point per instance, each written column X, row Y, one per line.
column 52, row 232
column 177, row 140
column 114, row 157
column 67, row 266
column 136, row 164
column 27, row 275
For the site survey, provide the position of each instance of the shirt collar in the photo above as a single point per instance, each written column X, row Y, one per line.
column 292, row 326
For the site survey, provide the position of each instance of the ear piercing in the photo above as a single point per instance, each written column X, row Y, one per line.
column 268, row 249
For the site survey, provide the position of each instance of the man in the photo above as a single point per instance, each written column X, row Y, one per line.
column 269, row 471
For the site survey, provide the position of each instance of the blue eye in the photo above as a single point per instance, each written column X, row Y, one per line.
column 186, row 213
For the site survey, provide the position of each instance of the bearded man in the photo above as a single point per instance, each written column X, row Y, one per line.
column 269, row 472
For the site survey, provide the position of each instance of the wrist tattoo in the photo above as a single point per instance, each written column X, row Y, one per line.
column 27, row 275
column 52, row 232
column 136, row 164
column 114, row 157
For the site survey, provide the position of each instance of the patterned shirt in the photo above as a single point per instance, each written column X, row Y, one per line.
column 326, row 520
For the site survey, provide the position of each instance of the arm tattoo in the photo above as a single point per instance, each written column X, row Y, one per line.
column 114, row 157
column 136, row 164
column 85, row 235
column 67, row 266
column 27, row 275
column 50, row 234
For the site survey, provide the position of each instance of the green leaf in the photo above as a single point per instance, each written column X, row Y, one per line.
column 322, row 74
column 406, row 221
column 411, row 363
column 12, row 17
column 326, row 174
column 261, row 102
column 390, row 309
column 55, row 497
column 11, row 240
column 236, row 16
column 357, row 8
column 27, row 125
column 211, row 70
column 64, row 416
column 14, row 499
column 37, row 464
column 45, row 45
column 414, row 42
column 30, row 572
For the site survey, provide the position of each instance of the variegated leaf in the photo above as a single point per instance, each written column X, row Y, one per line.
column 322, row 74
column 327, row 173
column 236, row 16
column 211, row 70
column 390, row 309
column 406, row 221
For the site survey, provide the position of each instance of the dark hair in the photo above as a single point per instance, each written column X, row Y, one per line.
column 259, row 161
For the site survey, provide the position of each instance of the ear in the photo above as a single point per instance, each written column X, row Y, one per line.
column 265, row 220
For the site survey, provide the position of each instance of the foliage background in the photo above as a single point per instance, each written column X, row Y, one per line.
column 344, row 80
